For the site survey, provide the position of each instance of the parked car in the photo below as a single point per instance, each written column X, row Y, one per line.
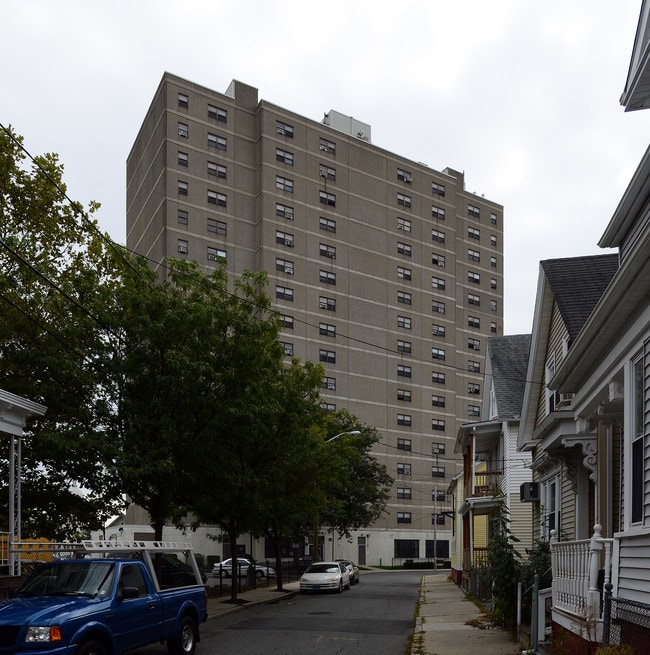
column 243, row 563
column 325, row 576
column 353, row 570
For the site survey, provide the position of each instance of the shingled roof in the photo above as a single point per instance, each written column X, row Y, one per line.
column 577, row 284
column 509, row 361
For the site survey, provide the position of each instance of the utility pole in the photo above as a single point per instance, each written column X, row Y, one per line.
column 435, row 516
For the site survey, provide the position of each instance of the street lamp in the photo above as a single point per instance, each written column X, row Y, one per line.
column 315, row 545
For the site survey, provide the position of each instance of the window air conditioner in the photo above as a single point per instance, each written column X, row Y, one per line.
column 323, row 147
column 529, row 492
column 563, row 400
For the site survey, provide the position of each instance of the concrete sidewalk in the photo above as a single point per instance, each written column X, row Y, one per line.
column 441, row 627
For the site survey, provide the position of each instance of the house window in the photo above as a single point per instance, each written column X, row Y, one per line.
column 437, row 189
column 473, row 212
column 473, row 410
column 284, row 129
column 437, row 401
column 284, row 266
column 327, row 330
column 215, row 254
column 404, row 249
column 182, row 188
column 183, row 100
column 404, row 444
column 438, row 260
column 182, row 247
column 287, row 321
column 437, row 283
column 327, row 172
column 219, row 199
column 438, row 353
column 404, row 395
column 403, row 371
column 182, row 159
column 328, row 356
column 437, row 235
column 329, row 384
column 550, row 506
column 284, row 156
column 327, row 146
column 438, row 378
column 283, row 184
column 473, row 388
column 438, row 213
column 473, row 233
column 473, row 299
column 218, row 142
column 288, row 348
column 403, row 200
column 326, row 277
column 403, row 346
column 284, row 211
column 438, row 424
column 438, row 330
column 473, row 322
column 474, row 344
column 475, row 278
column 403, row 517
column 327, row 224
column 404, row 493
column 329, row 304
column 404, row 176
column 637, row 465
column 217, row 227
column 473, row 255
column 438, row 307
column 473, row 367
column 404, row 322
column 284, row 293
column 403, row 224
column 437, row 449
column 327, row 198
column 404, row 297
column 403, row 469
column 183, row 130
column 183, row 217
column 283, row 238
column 548, row 376
column 404, row 273
column 218, row 114
column 327, row 251
column 437, row 471
column 404, row 419
column 217, row 170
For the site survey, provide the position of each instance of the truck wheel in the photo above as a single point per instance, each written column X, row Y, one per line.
column 184, row 643
column 91, row 647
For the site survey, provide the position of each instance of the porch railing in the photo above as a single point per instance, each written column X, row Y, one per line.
column 483, row 484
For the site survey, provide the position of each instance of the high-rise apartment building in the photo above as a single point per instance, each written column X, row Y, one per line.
column 387, row 272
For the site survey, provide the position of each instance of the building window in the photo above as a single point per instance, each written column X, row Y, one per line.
column 473, row 212
column 284, row 266
column 328, row 356
column 327, row 198
column 328, row 407
column 473, row 367
column 327, row 330
column 438, row 519
column 288, row 348
column 219, row 199
column 437, row 401
column 327, row 251
column 218, row 114
column 214, row 254
column 493, row 218
column 473, row 255
column 406, row 548
column 328, row 304
column 403, row 517
column 404, row 322
column 438, row 236
column 474, row 278
column 493, row 240
column 404, row 444
column 493, row 262
column 493, row 305
column 327, row 225
column 438, row 260
column 403, row 371
column 437, row 307
column 404, row 493
column 404, row 249
column 183, row 217
column 438, row 213
column 327, row 172
column 325, row 277
column 493, row 327
column 403, row 468
column 182, row 159
column 283, row 184
column 403, row 200
column 404, row 176
column 284, row 211
column 437, row 283
column 493, row 283
column 218, row 142
column 183, row 100
column 473, row 299
column 287, row 321
column 404, row 419
column 327, row 146
column 473, row 322
column 182, row 188
column 438, row 330
column 217, row 170
column 284, row 239
column 284, row 293
column 473, row 410
column 403, row 346
column 437, row 189
column 438, row 353
column 438, row 424
column 284, row 156
column 473, row 344
column 436, row 450
column 217, row 227
column 437, row 471
column 473, row 233
column 404, row 395
column 182, row 247
column 284, row 129
column 329, row 384
column 183, row 130
column 404, row 297
column 438, row 378
column 473, row 388
column 404, row 273
column 403, row 224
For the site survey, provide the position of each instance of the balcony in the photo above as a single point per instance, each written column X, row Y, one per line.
column 484, row 484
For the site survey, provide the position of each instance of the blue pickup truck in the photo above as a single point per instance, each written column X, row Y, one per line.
column 107, row 599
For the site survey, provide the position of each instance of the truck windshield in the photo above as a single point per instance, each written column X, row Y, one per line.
column 76, row 578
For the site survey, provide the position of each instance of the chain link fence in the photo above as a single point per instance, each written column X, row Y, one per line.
column 626, row 622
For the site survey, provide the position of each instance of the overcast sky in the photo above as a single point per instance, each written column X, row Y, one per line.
column 522, row 96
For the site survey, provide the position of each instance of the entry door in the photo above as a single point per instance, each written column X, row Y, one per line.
column 361, row 545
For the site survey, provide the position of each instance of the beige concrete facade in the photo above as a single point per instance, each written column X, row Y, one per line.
column 386, row 271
